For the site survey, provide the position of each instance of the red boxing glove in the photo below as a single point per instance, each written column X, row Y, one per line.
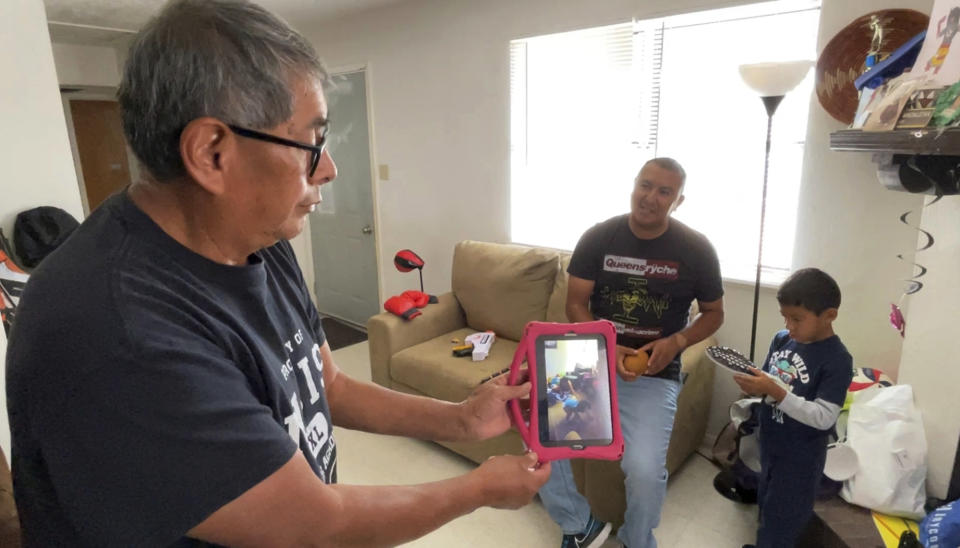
column 419, row 298
column 402, row 306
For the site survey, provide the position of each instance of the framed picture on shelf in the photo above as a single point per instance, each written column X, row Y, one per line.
column 887, row 112
column 919, row 108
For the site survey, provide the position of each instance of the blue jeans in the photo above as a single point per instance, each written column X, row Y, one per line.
column 647, row 407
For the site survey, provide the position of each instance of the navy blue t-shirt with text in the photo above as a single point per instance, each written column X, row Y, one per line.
column 149, row 386
column 819, row 370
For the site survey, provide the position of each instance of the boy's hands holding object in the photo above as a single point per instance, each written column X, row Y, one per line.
column 758, row 383
column 751, row 380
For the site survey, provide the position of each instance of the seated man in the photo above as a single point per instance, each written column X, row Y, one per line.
column 641, row 270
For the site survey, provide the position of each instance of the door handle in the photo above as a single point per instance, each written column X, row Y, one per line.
column 367, row 230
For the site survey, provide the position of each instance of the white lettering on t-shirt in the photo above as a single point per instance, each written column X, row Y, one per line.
column 304, row 366
column 788, row 366
column 286, row 369
column 315, row 432
column 318, row 361
column 294, row 420
column 666, row 270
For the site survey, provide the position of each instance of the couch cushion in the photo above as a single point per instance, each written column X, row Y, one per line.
column 557, row 307
column 430, row 367
column 501, row 287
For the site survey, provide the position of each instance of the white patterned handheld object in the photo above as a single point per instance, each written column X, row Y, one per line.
column 733, row 360
column 730, row 359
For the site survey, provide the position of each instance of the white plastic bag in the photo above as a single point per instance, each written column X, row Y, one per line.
column 886, row 431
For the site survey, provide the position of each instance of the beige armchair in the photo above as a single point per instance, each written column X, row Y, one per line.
column 501, row 287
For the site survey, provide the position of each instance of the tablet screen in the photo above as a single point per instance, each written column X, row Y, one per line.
column 573, row 387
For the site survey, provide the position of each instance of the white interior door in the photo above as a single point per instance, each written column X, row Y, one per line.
column 341, row 230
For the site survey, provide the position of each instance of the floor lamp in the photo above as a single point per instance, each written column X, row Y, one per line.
column 771, row 81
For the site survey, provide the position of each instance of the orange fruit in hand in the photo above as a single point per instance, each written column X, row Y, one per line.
column 637, row 363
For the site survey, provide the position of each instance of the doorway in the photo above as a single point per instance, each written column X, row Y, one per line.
column 342, row 230
column 100, row 148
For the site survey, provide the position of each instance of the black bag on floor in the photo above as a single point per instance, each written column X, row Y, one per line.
column 736, row 450
column 39, row 231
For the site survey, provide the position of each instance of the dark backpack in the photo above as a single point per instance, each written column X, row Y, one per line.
column 736, row 450
column 39, row 231
column 738, row 478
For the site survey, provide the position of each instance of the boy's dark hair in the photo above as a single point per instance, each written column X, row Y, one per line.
column 810, row 288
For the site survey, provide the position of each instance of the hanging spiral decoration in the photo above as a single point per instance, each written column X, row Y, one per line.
column 914, row 284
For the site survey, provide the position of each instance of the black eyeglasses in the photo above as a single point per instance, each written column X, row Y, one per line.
column 316, row 150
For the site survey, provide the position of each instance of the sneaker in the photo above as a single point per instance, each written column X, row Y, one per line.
column 592, row 537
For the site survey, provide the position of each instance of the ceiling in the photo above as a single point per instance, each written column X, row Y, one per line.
column 108, row 22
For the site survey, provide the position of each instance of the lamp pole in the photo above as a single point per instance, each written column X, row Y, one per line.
column 771, row 103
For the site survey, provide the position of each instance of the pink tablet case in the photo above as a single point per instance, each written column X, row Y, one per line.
column 526, row 351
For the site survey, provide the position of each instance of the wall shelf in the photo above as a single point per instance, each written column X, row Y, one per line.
column 899, row 141
column 925, row 160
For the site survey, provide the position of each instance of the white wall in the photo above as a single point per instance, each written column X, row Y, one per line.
column 35, row 163
column 79, row 65
column 440, row 93
column 931, row 351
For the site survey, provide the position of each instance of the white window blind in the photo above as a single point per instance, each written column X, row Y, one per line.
column 588, row 108
column 575, row 118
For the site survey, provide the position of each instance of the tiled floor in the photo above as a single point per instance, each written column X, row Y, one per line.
column 694, row 514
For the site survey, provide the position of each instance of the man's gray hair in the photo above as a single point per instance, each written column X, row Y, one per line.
column 229, row 59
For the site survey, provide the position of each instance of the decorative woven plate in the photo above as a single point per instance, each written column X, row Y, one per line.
column 843, row 60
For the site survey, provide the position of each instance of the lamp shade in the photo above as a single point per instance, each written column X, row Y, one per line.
column 774, row 79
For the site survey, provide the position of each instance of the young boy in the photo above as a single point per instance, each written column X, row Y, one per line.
column 814, row 370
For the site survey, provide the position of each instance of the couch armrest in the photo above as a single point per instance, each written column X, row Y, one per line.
column 693, row 355
column 693, row 405
column 389, row 334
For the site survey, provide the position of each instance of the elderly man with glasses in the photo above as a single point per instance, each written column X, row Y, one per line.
column 169, row 383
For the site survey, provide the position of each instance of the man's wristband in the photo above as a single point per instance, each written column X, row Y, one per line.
column 681, row 340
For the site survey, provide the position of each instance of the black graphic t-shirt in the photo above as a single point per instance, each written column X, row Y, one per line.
column 645, row 287
column 148, row 386
column 816, row 371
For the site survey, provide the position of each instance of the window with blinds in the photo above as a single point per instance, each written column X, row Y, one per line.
column 589, row 107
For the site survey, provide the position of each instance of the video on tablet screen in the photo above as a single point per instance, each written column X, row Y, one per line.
column 574, row 402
